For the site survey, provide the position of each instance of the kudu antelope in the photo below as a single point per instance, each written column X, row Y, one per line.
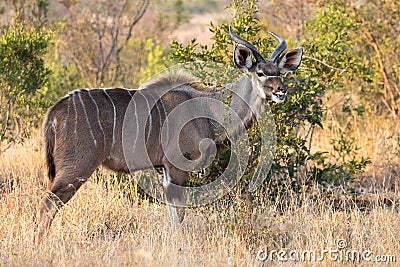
column 85, row 129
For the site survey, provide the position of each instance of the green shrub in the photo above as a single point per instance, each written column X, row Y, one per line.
column 23, row 79
column 327, row 42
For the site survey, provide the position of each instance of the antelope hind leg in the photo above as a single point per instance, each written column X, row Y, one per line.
column 61, row 190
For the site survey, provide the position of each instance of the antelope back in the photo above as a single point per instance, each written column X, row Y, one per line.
column 88, row 125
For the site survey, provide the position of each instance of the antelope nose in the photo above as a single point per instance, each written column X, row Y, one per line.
column 281, row 90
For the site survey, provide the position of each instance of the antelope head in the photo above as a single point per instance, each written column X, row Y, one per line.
column 265, row 73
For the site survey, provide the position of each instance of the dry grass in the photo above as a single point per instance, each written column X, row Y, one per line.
column 102, row 227
column 377, row 138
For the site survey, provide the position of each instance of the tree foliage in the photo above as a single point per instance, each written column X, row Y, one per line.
column 95, row 34
column 379, row 38
column 23, row 77
column 327, row 64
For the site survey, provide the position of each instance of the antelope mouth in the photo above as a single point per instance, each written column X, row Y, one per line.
column 278, row 97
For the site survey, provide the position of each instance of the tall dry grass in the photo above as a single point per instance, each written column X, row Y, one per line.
column 101, row 226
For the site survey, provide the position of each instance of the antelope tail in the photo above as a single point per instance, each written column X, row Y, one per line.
column 49, row 137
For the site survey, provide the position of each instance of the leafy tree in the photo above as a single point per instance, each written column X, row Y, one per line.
column 101, row 43
column 95, row 35
column 31, row 12
column 378, row 48
column 23, row 79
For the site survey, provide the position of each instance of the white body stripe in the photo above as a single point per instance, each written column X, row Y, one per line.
column 115, row 117
column 67, row 117
column 87, row 118
column 150, row 120
column 137, row 123
column 98, row 118
column 72, row 93
column 158, row 111
column 166, row 119
column 76, row 112
column 136, row 117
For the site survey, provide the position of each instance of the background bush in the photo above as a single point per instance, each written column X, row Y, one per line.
column 23, row 79
column 327, row 64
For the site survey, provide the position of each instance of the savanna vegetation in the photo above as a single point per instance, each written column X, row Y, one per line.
column 337, row 164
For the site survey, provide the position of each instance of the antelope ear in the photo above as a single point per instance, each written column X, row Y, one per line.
column 291, row 60
column 243, row 57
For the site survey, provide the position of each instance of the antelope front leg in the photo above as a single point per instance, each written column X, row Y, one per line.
column 173, row 181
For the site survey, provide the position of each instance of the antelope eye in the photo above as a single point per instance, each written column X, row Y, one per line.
column 260, row 74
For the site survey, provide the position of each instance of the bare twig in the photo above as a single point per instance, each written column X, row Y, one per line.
column 311, row 132
column 7, row 119
column 388, row 85
column 17, row 122
column 138, row 17
column 325, row 64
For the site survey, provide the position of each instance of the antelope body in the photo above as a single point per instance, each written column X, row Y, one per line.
column 85, row 129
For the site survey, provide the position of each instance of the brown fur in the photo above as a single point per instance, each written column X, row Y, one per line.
column 170, row 79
